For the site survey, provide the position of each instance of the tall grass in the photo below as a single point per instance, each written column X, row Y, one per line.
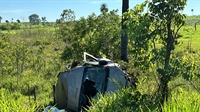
column 119, row 101
column 129, row 100
column 37, row 66
column 15, row 102
column 183, row 101
column 124, row 100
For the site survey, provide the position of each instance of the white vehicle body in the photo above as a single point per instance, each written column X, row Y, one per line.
column 70, row 91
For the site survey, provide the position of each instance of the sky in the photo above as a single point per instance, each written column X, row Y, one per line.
column 51, row 9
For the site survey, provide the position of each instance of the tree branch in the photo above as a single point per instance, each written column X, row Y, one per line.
column 178, row 30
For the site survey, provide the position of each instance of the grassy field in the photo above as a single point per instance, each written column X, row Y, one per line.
column 32, row 61
column 190, row 39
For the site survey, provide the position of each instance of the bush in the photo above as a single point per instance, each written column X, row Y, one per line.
column 5, row 27
column 15, row 26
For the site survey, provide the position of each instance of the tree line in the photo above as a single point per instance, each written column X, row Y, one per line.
column 33, row 18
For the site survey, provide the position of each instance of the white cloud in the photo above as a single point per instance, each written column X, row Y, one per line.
column 96, row 2
column 13, row 11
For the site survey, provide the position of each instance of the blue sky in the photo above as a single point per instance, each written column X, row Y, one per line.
column 51, row 9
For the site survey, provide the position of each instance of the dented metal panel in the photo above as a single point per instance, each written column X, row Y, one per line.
column 74, row 81
column 116, row 79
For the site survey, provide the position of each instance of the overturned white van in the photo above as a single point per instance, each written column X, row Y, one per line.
column 76, row 86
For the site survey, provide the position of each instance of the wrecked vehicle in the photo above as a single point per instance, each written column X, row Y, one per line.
column 78, row 85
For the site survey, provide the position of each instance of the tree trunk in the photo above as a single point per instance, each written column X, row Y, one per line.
column 164, row 89
column 124, row 38
column 170, row 46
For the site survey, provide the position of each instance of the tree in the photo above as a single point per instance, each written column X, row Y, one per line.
column 67, row 15
column 58, row 21
column 124, row 37
column 104, row 7
column 192, row 11
column 98, row 35
column 34, row 19
column 160, row 25
column 0, row 19
column 172, row 19
column 7, row 21
column 44, row 20
column 18, row 21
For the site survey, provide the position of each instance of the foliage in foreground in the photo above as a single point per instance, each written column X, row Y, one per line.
column 125, row 100
column 129, row 100
column 183, row 100
column 14, row 102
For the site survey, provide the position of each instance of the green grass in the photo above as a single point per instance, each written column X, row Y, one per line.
column 128, row 100
column 38, row 53
column 191, row 20
column 183, row 100
column 189, row 42
column 43, row 64
column 15, row 102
